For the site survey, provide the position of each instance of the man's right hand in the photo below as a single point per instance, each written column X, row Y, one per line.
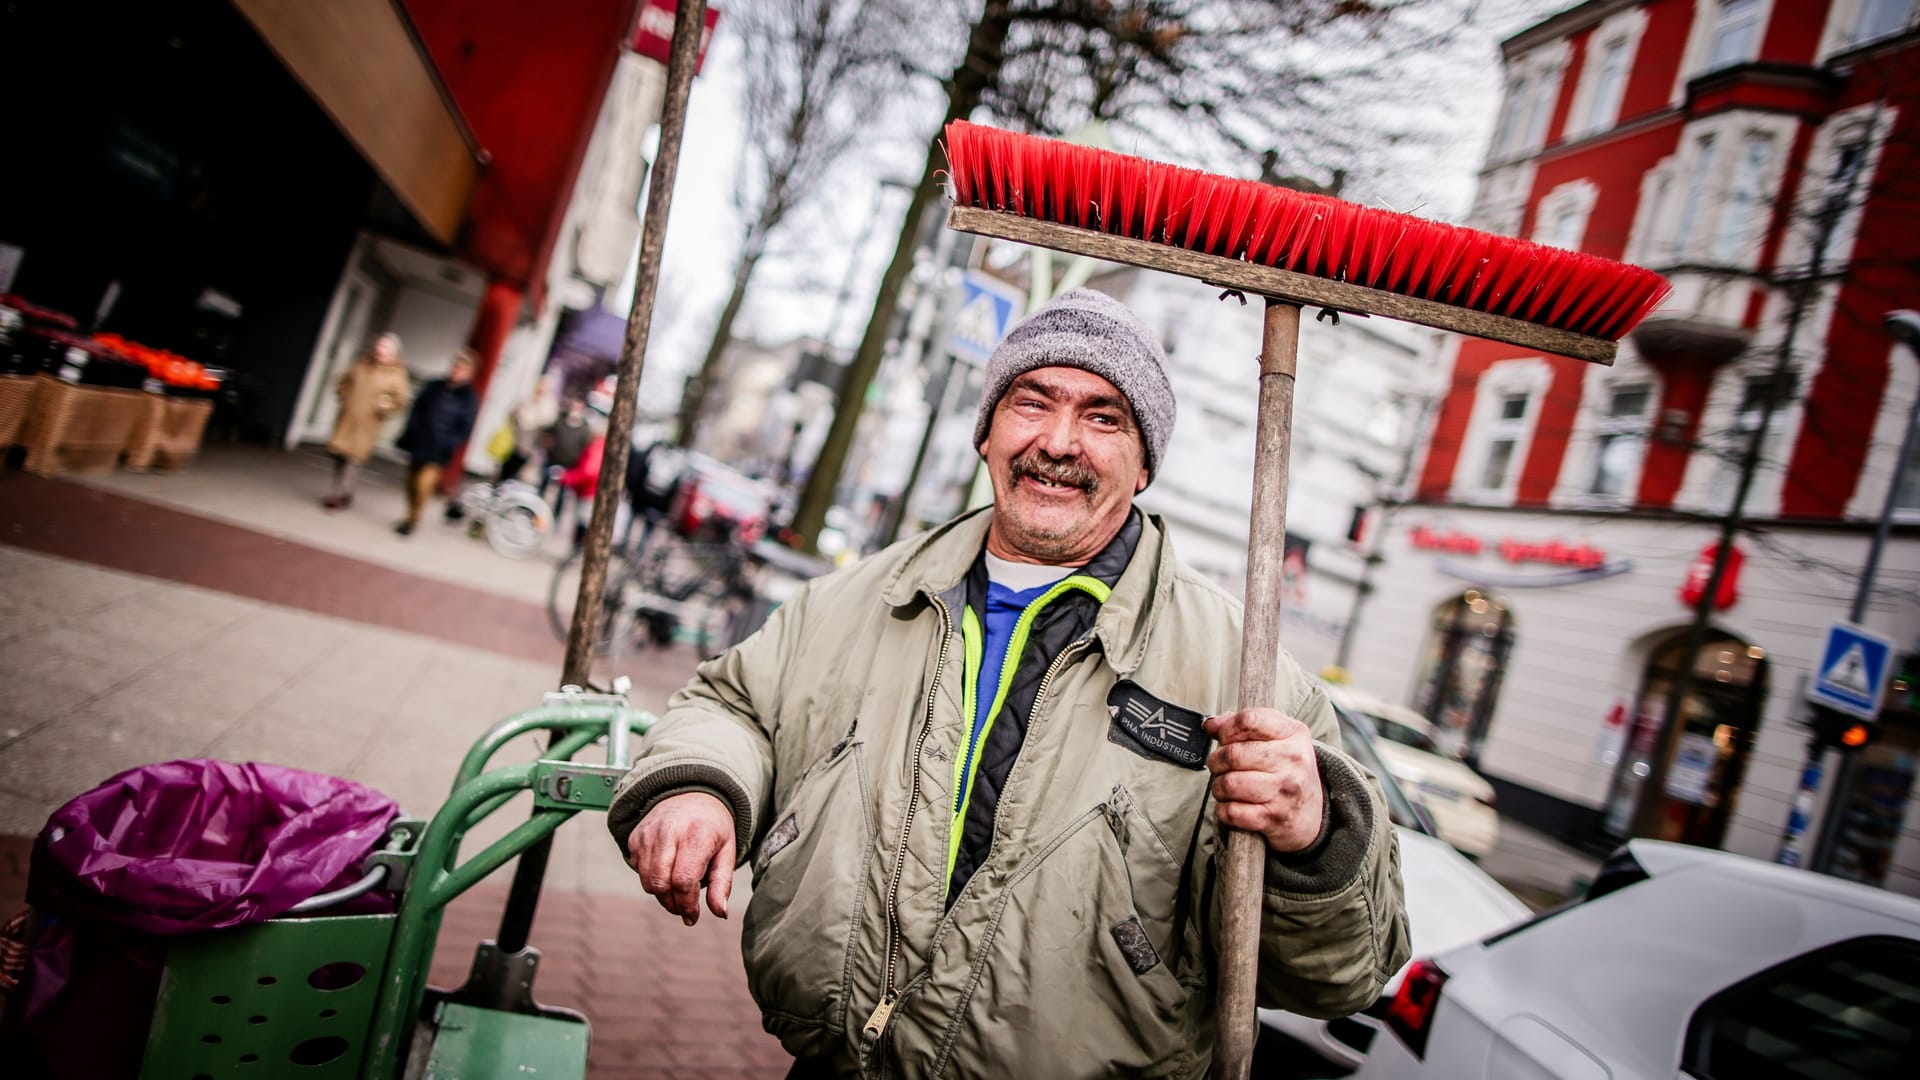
column 683, row 842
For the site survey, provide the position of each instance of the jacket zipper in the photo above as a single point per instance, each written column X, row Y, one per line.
column 1039, row 699
column 889, row 997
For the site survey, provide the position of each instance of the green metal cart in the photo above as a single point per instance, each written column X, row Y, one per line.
column 325, row 996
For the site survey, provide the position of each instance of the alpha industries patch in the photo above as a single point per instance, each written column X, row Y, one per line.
column 1161, row 730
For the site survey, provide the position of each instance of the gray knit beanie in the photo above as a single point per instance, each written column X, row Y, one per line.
column 1091, row 331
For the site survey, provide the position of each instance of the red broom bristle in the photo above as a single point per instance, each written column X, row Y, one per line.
column 1311, row 234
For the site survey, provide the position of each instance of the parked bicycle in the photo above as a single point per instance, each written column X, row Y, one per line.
column 670, row 589
column 514, row 518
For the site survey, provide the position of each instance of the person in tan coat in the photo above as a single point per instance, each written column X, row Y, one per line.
column 375, row 388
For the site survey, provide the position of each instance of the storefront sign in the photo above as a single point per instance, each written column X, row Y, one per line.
column 1692, row 770
column 1552, row 552
column 1613, row 732
column 653, row 34
column 1701, row 571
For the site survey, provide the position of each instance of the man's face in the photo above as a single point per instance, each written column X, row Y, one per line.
column 462, row 371
column 383, row 350
column 1066, row 460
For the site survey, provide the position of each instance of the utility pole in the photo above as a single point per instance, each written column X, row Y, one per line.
column 1363, row 588
column 1652, row 800
column 1903, row 327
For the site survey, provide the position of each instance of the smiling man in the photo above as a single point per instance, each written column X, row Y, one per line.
column 982, row 776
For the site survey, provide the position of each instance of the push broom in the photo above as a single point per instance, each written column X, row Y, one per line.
column 1294, row 249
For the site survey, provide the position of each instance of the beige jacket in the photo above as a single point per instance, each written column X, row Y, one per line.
column 369, row 394
column 832, row 734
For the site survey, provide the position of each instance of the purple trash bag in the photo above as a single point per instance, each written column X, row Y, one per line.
column 186, row 846
column 176, row 848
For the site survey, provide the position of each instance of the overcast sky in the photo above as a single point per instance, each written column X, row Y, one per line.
column 796, row 295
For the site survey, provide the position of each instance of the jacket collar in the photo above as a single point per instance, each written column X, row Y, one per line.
column 938, row 563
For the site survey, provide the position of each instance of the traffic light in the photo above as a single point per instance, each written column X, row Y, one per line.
column 1837, row 729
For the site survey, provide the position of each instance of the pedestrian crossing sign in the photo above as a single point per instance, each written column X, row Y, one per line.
column 988, row 308
column 1853, row 671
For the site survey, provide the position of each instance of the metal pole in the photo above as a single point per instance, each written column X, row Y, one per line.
column 517, row 919
column 1903, row 325
column 1364, row 587
column 1246, row 852
column 1646, row 818
column 942, row 400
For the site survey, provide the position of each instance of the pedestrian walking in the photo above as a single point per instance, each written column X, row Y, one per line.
column 530, row 420
column 982, row 776
column 582, row 480
column 440, row 422
column 564, row 442
column 375, row 388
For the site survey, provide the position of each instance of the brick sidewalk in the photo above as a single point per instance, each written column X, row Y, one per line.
column 665, row 1000
column 94, row 526
column 106, row 670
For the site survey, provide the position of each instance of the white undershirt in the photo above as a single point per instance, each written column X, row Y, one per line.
column 1021, row 576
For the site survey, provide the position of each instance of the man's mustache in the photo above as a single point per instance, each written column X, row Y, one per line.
column 1067, row 471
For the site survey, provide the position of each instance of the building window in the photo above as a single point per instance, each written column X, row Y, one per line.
column 1881, row 18
column 1545, row 89
column 1513, row 119
column 1733, row 445
column 1532, row 87
column 1906, row 495
column 1736, row 34
column 1386, row 426
column 1561, row 218
column 1611, row 87
column 1504, row 433
column 1620, row 439
column 1566, row 228
column 1743, row 217
column 1838, row 198
column 1699, row 185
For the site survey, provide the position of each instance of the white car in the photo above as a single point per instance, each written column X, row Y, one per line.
column 1680, row 962
column 1460, row 799
column 1449, row 900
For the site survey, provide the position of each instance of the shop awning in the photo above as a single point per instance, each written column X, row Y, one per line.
column 362, row 64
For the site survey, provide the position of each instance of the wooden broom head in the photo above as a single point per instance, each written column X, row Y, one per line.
column 1118, row 194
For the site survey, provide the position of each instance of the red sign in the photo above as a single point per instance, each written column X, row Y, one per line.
column 653, row 34
column 1702, row 569
column 1554, row 552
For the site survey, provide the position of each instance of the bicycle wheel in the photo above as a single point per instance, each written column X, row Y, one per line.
column 688, row 572
column 516, row 527
column 621, row 592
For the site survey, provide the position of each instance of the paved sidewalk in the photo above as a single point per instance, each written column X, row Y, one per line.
column 278, row 492
column 132, row 632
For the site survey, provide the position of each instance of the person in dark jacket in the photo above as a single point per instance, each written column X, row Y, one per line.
column 441, row 419
column 564, row 441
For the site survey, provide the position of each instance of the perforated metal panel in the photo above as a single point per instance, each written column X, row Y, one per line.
column 287, row 997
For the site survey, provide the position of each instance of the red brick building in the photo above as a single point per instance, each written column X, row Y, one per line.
column 1752, row 151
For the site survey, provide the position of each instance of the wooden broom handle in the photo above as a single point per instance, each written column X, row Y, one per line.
column 1246, row 855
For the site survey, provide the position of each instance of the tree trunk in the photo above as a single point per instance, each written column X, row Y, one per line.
column 693, row 401
column 979, row 69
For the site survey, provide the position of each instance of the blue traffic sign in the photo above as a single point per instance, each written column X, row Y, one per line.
column 1853, row 671
column 987, row 310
